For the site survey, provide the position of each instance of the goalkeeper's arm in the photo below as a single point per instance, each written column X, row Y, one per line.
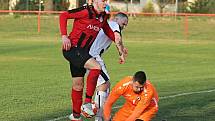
column 108, row 105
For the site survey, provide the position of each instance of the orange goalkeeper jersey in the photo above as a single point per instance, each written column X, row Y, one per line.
column 135, row 104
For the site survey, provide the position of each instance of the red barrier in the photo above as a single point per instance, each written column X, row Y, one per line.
column 146, row 14
column 8, row 11
column 186, row 27
column 186, row 15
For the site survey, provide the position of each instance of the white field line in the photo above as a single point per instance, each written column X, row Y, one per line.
column 161, row 98
column 59, row 118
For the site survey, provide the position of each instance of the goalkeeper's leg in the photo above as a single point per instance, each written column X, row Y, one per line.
column 148, row 114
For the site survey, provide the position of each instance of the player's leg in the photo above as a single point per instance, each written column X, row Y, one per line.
column 76, row 98
column 122, row 114
column 148, row 114
column 94, row 71
column 81, row 58
column 102, row 91
column 100, row 98
column 77, row 91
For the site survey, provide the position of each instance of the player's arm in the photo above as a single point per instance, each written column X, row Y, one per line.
column 108, row 105
column 108, row 31
column 141, row 106
column 71, row 14
column 120, row 47
column 116, row 92
column 116, row 37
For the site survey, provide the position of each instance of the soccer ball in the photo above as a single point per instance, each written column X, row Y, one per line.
column 86, row 113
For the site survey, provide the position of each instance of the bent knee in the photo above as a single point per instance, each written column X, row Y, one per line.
column 77, row 87
column 97, row 66
column 104, row 87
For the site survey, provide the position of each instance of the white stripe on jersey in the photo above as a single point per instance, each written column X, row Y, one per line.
column 102, row 42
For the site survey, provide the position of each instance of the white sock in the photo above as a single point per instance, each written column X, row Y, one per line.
column 100, row 98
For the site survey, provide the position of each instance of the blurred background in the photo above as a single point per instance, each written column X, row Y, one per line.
column 152, row 6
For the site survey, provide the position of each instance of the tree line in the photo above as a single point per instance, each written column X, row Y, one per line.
column 183, row 6
column 56, row 5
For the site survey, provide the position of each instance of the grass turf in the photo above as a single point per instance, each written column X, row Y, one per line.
column 35, row 78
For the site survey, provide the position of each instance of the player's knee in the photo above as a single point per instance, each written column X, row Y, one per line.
column 77, row 87
column 108, row 84
column 97, row 66
column 78, row 83
column 92, row 64
column 104, row 87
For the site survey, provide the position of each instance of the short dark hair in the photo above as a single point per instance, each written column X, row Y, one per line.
column 140, row 77
column 121, row 15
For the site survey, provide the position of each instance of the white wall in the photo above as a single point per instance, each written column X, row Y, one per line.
column 132, row 7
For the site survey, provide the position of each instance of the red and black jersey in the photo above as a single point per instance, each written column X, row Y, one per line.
column 87, row 23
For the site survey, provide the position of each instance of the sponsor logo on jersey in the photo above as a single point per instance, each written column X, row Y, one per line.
column 92, row 27
column 135, row 101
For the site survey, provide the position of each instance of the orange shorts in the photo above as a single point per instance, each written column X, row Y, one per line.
column 124, row 113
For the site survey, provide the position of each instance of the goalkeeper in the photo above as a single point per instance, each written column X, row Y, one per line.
column 141, row 99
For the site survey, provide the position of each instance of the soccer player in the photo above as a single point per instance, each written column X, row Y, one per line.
column 99, row 46
column 88, row 20
column 141, row 99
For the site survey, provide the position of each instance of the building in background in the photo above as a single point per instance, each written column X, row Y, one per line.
column 134, row 6
column 72, row 4
column 192, row 1
column 160, row 6
column 127, row 5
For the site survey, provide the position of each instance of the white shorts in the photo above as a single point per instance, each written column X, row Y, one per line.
column 103, row 77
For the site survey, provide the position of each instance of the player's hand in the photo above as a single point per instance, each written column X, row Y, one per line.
column 122, row 59
column 66, row 43
column 125, row 50
column 107, row 119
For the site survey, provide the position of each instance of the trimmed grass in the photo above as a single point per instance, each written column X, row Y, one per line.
column 35, row 78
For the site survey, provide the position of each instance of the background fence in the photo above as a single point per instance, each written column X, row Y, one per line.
column 181, row 25
column 176, row 51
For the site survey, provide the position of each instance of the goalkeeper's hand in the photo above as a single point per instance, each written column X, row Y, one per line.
column 66, row 45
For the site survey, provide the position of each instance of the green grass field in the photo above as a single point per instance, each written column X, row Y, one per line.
column 35, row 80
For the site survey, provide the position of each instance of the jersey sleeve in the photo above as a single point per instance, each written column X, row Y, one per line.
column 71, row 14
column 116, row 92
column 143, row 104
column 114, row 26
column 108, row 31
column 113, row 96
